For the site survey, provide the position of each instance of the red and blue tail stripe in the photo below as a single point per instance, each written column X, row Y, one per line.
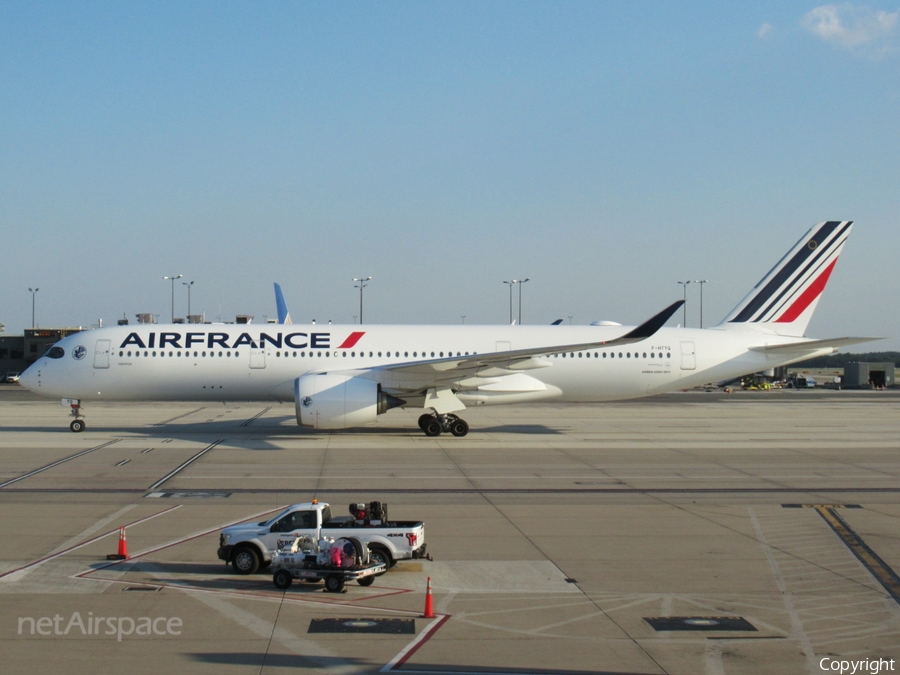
column 789, row 292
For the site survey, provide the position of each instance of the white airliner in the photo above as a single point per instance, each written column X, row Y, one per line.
column 345, row 376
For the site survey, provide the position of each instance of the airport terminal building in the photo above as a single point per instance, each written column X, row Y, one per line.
column 17, row 352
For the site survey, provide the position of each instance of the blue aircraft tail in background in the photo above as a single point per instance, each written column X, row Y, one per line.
column 284, row 316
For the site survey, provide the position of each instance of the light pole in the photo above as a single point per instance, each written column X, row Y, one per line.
column 520, row 298
column 362, row 285
column 511, row 282
column 188, row 284
column 684, row 284
column 701, row 282
column 172, row 279
column 33, row 293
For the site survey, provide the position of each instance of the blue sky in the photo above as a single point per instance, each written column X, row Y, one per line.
column 605, row 150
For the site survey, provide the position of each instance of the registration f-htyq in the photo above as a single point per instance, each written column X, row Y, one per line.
column 345, row 376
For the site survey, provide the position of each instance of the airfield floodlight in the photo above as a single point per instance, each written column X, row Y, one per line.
column 361, row 286
column 511, row 282
column 520, row 298
column 172, row 279
column 188, row 284
column 33, row 293
column 701, row 282
column 684, row 285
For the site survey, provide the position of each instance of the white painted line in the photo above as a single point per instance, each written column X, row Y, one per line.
column 182, row 540
column 414, row 646
column 21, row 570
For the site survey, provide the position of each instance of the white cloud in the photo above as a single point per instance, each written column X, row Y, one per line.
column 858, row 28
column 765, row 29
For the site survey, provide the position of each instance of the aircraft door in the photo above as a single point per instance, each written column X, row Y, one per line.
column 258, row 358
column 688, row 356
column 101, row 354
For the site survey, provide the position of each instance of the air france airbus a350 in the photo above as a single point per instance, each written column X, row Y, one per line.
column 345, row 376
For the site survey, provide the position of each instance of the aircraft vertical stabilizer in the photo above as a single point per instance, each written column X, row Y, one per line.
column 784, row 300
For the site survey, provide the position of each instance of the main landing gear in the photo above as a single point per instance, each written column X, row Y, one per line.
column 434, row 424
column 77, row 424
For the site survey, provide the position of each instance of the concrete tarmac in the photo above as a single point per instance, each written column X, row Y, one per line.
column 755, row 532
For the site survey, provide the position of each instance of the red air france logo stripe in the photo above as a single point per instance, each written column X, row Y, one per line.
column 811, row 293
column 351, row 340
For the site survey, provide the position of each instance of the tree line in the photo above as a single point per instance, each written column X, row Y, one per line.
column 840, row 360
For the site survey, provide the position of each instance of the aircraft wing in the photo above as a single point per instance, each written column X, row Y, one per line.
column 813, row 345
column 404, row 378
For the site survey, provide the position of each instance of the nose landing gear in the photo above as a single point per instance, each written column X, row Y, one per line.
column 77, row 424
column 434, row 424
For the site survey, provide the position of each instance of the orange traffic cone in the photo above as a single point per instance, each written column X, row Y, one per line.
column 429, row 603
column 123, row 548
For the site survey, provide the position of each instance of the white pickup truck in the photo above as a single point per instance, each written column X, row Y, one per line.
column 249, row 547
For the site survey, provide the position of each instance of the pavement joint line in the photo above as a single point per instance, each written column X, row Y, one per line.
column 58, row 462
column 178, row 417
column 511, row 491
column 248, row 422
column 53, row 556
column 185, row 465
column 878, row 568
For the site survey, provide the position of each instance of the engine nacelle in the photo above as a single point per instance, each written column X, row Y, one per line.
column 335, row 401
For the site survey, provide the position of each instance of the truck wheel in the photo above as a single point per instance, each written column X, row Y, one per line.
column 366, row 581
column 378, row 555
column 245, row 560
column 282, row 579
column 334, row 584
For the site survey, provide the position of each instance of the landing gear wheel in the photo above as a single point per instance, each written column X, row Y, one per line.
column 424, row 419
column 334, row 584
column 366, row 581
column 433, row 427
column 282, row 579
column 77, row 426
column 459, row 427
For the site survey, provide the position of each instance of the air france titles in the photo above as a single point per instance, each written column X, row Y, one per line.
column 221, row 340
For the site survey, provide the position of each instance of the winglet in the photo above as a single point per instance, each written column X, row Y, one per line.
column 653, row 324
column 284, row 316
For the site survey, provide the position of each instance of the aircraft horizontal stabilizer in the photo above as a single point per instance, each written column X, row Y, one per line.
column 812, row 345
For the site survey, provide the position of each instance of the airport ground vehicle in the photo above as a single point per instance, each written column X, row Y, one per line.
column 337, row 562
column 12, row 377
column 250, row 546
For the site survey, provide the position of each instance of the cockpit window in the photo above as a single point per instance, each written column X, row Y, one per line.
column 55, row 353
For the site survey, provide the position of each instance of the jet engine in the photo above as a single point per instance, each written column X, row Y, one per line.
column 336, row 401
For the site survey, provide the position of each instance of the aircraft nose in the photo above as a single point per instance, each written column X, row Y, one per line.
column 29, row 379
